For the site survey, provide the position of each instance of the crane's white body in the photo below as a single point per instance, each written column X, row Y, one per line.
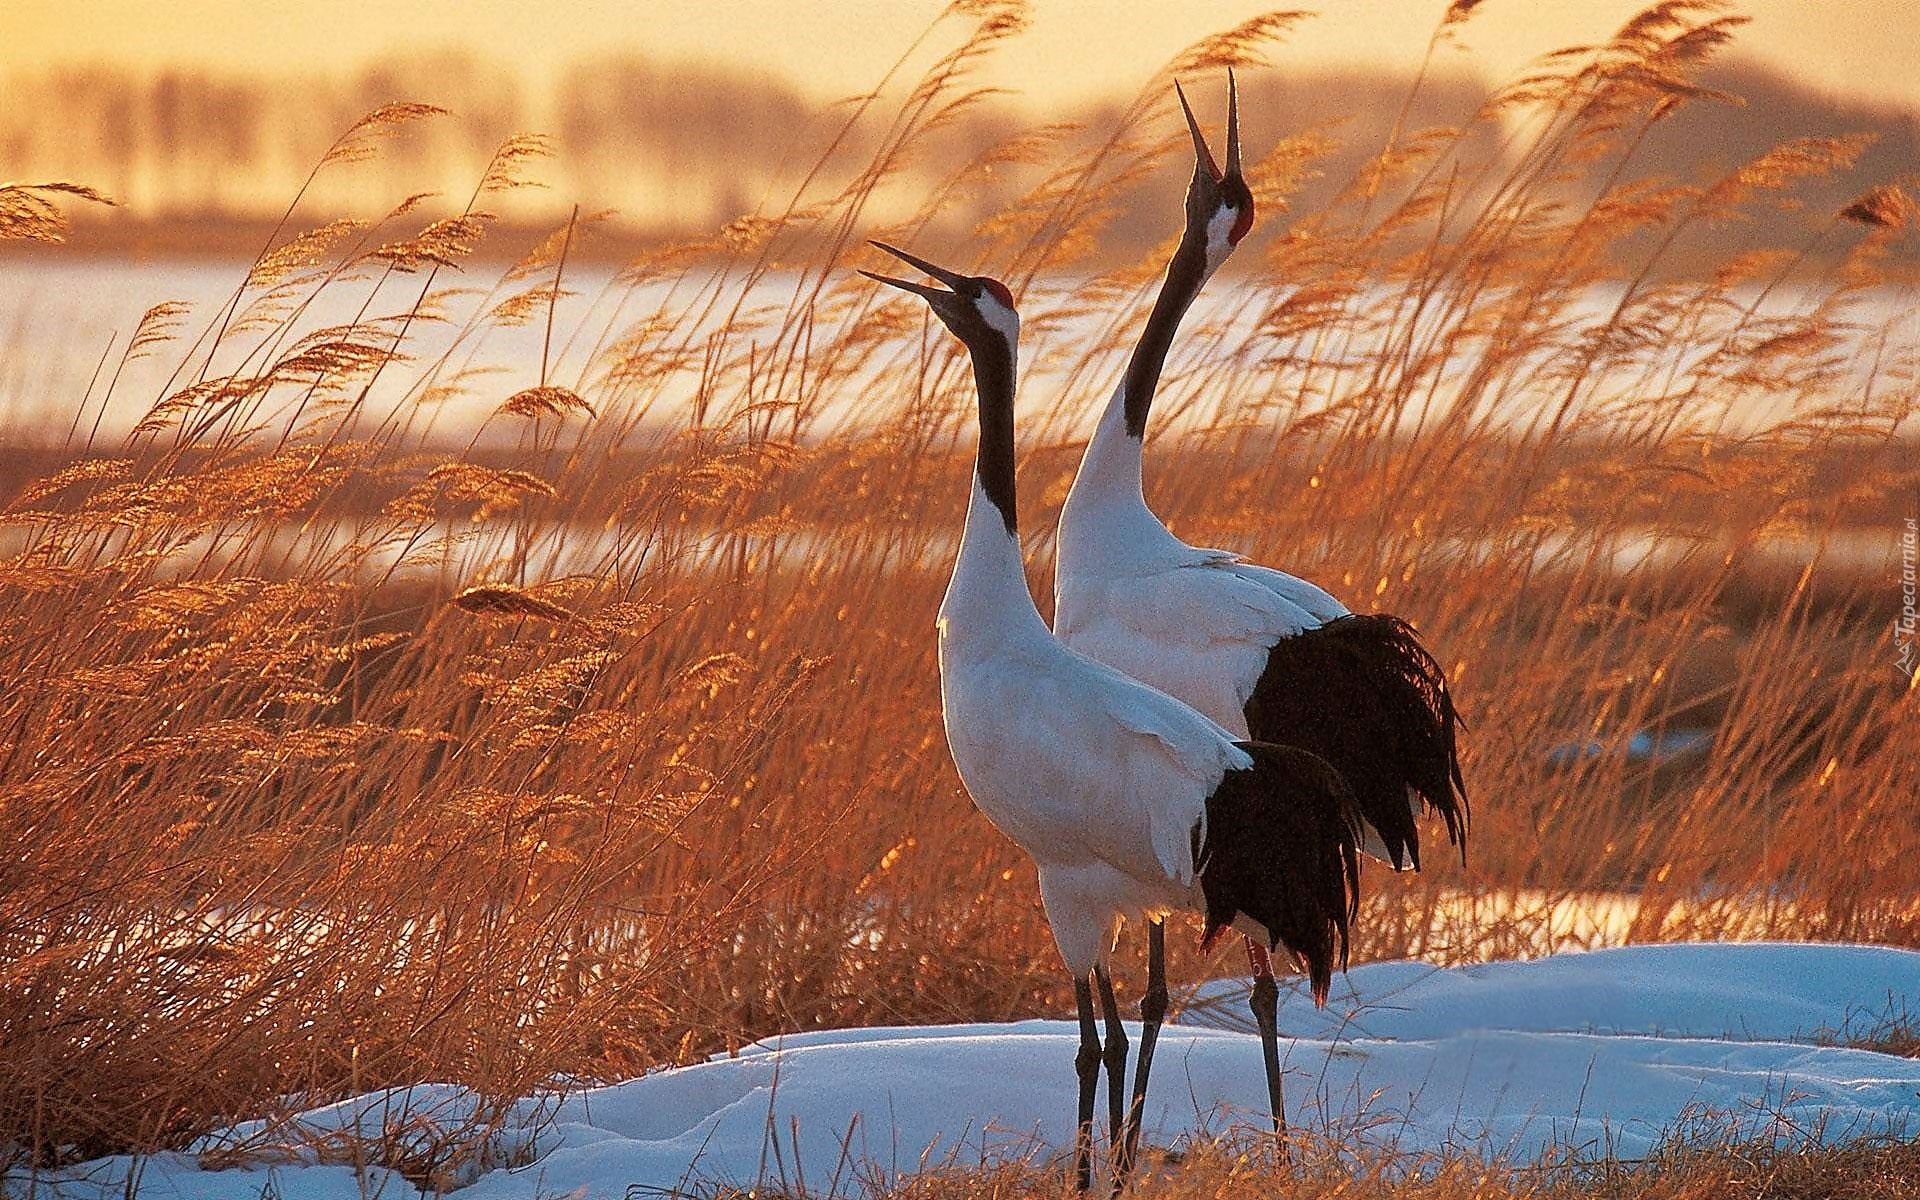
column 1193, row 622
column 1101, row 779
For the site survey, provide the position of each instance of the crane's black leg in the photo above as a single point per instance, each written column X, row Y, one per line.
column 1265, row 1004
column 1153, row 1010
column 1087, row 1065
column 1115, row 1056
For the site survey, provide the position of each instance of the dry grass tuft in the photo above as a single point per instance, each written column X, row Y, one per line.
column 499, row 600
column 546, row 400
column 31, row 211
column 1886, row 207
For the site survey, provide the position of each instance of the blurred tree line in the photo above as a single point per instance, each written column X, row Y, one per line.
column 681, row 148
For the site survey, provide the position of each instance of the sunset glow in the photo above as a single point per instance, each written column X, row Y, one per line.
column 1075, row 49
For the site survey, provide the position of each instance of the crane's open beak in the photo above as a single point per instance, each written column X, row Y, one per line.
column 1205, row 168
column 952, row 279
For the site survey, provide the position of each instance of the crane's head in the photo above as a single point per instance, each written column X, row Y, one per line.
column 1219, row 203
column 977, row 309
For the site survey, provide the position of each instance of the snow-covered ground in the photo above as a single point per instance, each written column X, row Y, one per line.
column 1600, row 1053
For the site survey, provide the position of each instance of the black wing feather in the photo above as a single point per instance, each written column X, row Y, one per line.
column 1363, row 694
column 1283, row 847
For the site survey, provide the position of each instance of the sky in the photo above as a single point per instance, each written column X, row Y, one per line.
column 1076, row 49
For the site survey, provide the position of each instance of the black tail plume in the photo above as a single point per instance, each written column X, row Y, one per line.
column 1283, row 848
column 1364, row 694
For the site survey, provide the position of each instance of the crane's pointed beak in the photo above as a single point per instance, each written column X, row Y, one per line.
column 919, row 289
column 952, row 279
column 1202, row 156
column 1233, row 125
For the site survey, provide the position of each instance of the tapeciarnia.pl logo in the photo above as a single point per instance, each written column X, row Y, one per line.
column 1904, row 625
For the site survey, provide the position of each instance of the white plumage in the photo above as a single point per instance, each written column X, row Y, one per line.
column 1194, row 622
column 1102, row 780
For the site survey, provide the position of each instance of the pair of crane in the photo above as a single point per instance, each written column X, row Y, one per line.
column 1195, row 732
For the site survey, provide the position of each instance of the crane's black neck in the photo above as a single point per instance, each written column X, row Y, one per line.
column 993, row 377
column 1185, row 273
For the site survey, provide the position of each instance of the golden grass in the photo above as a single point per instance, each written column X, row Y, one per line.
column 1232, row 1169
column 334, row 758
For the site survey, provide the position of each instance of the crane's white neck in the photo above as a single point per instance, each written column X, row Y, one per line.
column 1106, row 528
column 988, row 605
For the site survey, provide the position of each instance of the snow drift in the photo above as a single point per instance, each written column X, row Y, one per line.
column 1597, row 1054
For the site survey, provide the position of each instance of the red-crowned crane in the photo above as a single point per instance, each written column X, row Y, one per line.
column 1266, row 655
column 1131, row 804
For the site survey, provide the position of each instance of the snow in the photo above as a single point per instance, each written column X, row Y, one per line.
column 1753, row 991
column 1597, row 1054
